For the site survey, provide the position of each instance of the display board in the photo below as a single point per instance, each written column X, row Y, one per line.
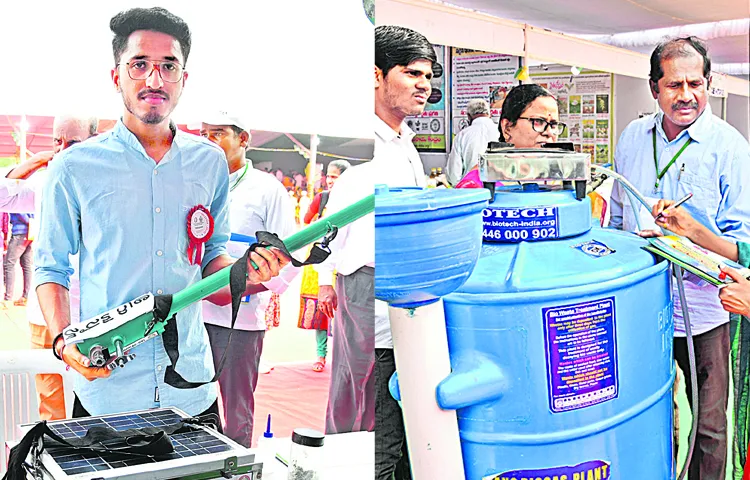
column 430, row 125
column 586, row 106
column 477, row 74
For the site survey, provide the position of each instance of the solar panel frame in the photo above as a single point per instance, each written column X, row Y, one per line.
column 209, row 449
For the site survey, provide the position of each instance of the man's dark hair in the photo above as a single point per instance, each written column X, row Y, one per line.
column 517, row 101
column 155, row 19
column 677, row 47
column 237, row 130
column 400, row 46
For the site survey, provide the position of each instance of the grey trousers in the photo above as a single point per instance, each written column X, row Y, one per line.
column 238, row 379
column 351, row 395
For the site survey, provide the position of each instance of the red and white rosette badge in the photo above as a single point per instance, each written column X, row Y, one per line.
column 200, row 227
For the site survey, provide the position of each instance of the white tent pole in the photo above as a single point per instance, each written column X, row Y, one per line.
column 313, row 167
column 24, row 126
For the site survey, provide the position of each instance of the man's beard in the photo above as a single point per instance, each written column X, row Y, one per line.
column 150, row 118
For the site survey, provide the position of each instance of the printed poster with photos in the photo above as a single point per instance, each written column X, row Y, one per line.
column 477, row 74
column 586, row 108
column 429, row 127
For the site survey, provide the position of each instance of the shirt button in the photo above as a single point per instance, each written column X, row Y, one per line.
column 160, row 291
column 159, row 253
column 158, row 368
column 158, row 210
column 156, row 173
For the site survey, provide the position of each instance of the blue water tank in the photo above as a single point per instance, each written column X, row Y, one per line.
column 428, row 241
column 561, row 348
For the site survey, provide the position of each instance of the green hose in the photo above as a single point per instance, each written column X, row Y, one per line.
column 218, row 280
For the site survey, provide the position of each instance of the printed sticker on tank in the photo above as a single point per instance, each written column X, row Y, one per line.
column 520, row 224
column 581, row 350
column 594, row 249
column 592, row 470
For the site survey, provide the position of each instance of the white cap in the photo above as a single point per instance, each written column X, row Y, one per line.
column 221, row 117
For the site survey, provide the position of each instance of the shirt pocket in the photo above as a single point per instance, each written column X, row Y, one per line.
column 705, row 190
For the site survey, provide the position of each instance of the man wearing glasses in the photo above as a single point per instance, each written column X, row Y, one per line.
column 127, row 202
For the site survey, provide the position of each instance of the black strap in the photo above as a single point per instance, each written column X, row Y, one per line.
column 147, row 441
column 237, row 285
column 323, row 202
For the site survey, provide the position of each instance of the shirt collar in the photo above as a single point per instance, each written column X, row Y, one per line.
column 129, row 138
column 698, row 131
column 481, row 120
column 387, row 134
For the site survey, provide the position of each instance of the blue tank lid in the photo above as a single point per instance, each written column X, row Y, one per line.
column 595, row 257
column 402, row 200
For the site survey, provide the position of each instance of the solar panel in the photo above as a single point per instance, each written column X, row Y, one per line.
column 196, row 452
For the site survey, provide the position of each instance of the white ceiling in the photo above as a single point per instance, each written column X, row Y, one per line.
column 607, row 17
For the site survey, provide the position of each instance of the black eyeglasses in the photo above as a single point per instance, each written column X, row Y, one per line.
column 539, row 125
column 141, row 69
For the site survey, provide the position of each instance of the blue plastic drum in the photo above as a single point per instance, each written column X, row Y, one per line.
column 428, row 241
column 561, row 353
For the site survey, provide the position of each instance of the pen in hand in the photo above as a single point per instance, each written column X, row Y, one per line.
column 680, row 202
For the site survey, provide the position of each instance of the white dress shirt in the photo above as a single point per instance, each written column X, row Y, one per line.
column 395, row 163
column 468, row 145
column 258, row 202
column 25, row 196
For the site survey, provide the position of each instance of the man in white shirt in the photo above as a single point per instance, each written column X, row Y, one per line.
column 471, row 141
column 21, row 192
column 258, row 202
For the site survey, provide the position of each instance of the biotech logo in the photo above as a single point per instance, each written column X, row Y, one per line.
column 592, row 470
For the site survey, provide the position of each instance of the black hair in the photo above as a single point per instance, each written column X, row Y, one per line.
column 400, row 46
column 517, row 101
column 156, row 19
column 677, row 47
column 237, row 130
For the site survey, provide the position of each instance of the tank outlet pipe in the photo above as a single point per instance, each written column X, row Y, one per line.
column 420, row 347
column 476, row 379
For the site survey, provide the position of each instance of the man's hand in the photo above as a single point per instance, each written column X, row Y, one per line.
column 676, row 220
column 735, row 297
column 31, row 165
column 269, row 261
column 328, row 302
column 78, row 362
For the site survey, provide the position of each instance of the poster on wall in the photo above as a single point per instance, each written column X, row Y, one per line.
column 429, row 127
column 585, row 104
column 477, row 74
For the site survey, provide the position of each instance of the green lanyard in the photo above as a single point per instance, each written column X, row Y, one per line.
column 239, row 179
column 656, row 160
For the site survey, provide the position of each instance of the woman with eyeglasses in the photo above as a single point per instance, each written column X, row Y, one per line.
column 530, row 117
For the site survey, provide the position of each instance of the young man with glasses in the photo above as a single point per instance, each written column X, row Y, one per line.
column 133, row 202
column 685, row 148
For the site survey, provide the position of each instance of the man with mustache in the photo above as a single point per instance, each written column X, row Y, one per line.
column 146, row 208
column 683, row 149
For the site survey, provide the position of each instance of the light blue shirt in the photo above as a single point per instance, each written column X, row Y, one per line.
column 127, row 217
column 715, row 167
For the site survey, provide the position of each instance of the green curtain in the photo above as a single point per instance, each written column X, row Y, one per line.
column 740, row 333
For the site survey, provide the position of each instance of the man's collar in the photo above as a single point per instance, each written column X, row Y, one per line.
column 124, row 134
column 385, row 132
column 698, row 130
